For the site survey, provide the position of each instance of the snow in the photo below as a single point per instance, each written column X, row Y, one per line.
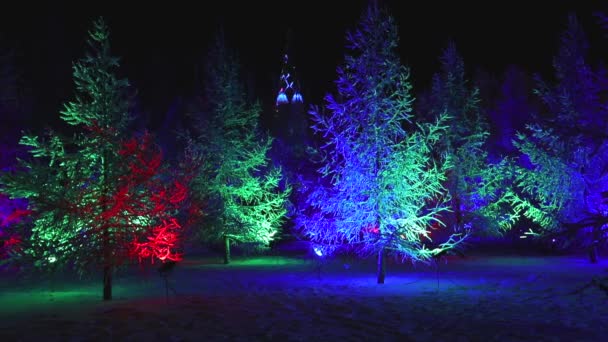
column 477, row 298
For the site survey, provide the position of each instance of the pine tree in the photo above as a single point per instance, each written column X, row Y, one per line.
column 511, row 107
column 574, row 99
column 97, row 196
column 380, row 186
column 563, row 188
column 15, row 110
column 244, row 193
column 475, row 185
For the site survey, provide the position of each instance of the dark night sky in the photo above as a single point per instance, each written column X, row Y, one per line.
column 160, row 42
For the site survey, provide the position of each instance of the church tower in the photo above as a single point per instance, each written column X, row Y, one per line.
column 289, row 118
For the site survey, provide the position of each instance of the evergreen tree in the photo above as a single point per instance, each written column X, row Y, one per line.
column 98, row 195
column 574, row 99
column 380, row 187
column 15, row 108
column 510, row 110
column 563, row 187
column 475, row 185
column 244, row 192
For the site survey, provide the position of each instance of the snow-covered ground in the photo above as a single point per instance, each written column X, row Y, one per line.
column 478, row 298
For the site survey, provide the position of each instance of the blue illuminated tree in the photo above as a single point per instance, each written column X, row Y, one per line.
column 380, row 186
column 509, row 112
column 563, row 189
column 245, row 193
column 475, row 185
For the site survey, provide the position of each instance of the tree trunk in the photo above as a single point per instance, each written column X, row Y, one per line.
column 381, row 267
column 107, row 282
column 226, row 250
column 107, row 262
column 457, row 212
column 593, row 252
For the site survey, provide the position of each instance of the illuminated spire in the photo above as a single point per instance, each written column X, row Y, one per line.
column 289, row 86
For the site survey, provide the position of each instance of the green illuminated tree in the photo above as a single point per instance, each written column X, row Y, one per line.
column 381, row 183
column 546, row 190
column 245, row 194
column 98, row 194
column 101, row 105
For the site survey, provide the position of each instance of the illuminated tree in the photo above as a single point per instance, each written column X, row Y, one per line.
column 511, row 108
column 246, row 200
column 148, row 200
column 563, row 188
column 15, row 108
column 381, row 186
column 475, row 185
column 13, row 212
column 98, row 198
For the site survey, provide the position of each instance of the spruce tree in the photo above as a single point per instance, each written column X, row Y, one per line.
column 99, row 195
column 562, row 187
column 245, row 194
column 475, row 185
column 381, row 185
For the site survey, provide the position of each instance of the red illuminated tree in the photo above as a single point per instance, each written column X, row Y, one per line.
column 147, row 203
